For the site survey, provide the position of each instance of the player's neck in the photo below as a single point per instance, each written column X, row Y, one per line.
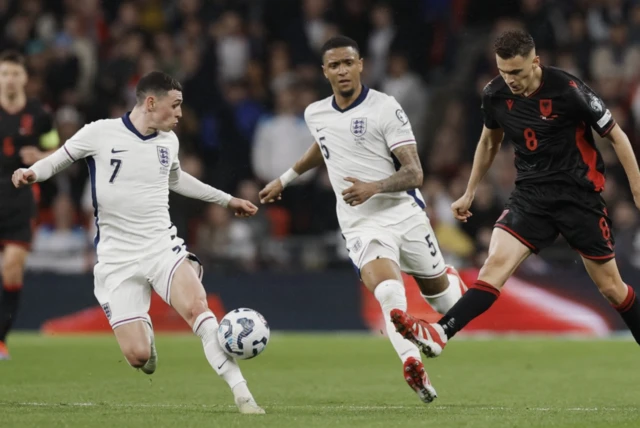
column 344, row 102
column 13, row 104
column 535, row 82
column 139, row 120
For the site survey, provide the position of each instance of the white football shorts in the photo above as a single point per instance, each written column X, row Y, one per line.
column 411, row 244
column 124, row 290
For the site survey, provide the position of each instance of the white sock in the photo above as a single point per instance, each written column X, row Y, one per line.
column 443, row 301
column 206, row 328
column 391, row 296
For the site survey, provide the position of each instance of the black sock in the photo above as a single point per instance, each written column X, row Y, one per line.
column 629, row 310
column 9, row 301
column 472, row 304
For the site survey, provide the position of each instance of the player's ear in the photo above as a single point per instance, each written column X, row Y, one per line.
column 536, row 61
column 150, row 103
column 324, row 71
column 360, row 64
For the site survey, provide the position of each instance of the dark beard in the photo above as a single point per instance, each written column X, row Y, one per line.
column 348, row 93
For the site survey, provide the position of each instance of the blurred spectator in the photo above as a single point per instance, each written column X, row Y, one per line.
column 62, row 246
column 409, row 90
column 280, row 140
column 617, row 58
column 379, row 44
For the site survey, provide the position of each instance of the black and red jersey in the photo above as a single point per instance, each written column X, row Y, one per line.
column 19, row 130
column 551, row 129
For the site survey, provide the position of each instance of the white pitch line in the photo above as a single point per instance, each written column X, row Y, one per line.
column 311, row 407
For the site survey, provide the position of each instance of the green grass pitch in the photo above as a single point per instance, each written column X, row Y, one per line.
column 323, row 381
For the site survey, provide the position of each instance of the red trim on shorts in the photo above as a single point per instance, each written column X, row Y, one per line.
column 485, row 286
column 12, row 287
column 589, row 157
column 23, row 244
column 627, row 302
column 607, row 257
column 127, row 320
column 518, row 237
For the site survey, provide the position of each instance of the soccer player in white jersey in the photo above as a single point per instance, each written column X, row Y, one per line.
column 133, row 163
column 366, row 141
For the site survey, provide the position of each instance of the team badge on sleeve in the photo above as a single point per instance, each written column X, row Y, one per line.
column 402, row 116
column 359, row 126
column 163, row 156
column 107, row 310
column 595, row 104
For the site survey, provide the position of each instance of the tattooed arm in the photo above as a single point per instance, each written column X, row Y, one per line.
column 408, row 177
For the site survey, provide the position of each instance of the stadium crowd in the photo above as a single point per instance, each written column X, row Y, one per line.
column 250, row 67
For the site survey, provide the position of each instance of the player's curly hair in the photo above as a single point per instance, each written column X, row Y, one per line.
column 513, row 43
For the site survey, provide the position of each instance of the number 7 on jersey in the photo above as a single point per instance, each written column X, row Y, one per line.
column 117, row 163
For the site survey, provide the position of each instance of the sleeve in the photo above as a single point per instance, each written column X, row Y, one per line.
column 487, row 109
column 49, row 138
column 395, row 125
column 82, row 144
column 590, row 108
column 175, row 163
column 189, row 186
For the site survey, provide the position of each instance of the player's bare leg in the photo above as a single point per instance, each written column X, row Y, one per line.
column 189, row 299
column 443, row 291
column 621, row 296
column 14, row 258
column 506, row 253
column 383, row 278
column 137, row 343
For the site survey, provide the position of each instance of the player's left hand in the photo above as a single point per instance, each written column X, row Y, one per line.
column 242, row 208
column 359, row 192
column 30, row 155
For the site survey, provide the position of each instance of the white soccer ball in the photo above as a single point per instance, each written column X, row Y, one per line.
column 243, row 333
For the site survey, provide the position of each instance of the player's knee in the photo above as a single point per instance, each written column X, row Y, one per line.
column 137, row 355
column 12, row 272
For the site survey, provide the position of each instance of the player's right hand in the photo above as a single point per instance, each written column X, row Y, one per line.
column 461, row 207
column 23, row 177
column 272, row 192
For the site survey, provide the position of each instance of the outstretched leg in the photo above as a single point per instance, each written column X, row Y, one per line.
column 189, row 299
column 382, row 276
column 506, row 253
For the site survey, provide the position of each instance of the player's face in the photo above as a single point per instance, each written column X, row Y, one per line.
column 342, row 67
column 13, row 78
column 166, row 111
column 518, row 72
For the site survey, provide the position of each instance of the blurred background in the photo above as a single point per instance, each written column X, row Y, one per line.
column 250, row 67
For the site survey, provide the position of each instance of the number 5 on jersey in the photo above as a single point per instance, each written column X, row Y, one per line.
column 117, row 163
column 325, row 149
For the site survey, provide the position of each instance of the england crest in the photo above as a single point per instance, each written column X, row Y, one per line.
column 359, row 126
column 107, row 310
column 163, row 155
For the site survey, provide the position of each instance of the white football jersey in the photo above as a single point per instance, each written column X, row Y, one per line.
column 358, row 142
column 129, row 176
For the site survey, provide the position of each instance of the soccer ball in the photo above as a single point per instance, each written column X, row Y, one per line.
column 243, row 333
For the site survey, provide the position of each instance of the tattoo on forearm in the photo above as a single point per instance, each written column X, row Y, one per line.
column 409, row 176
